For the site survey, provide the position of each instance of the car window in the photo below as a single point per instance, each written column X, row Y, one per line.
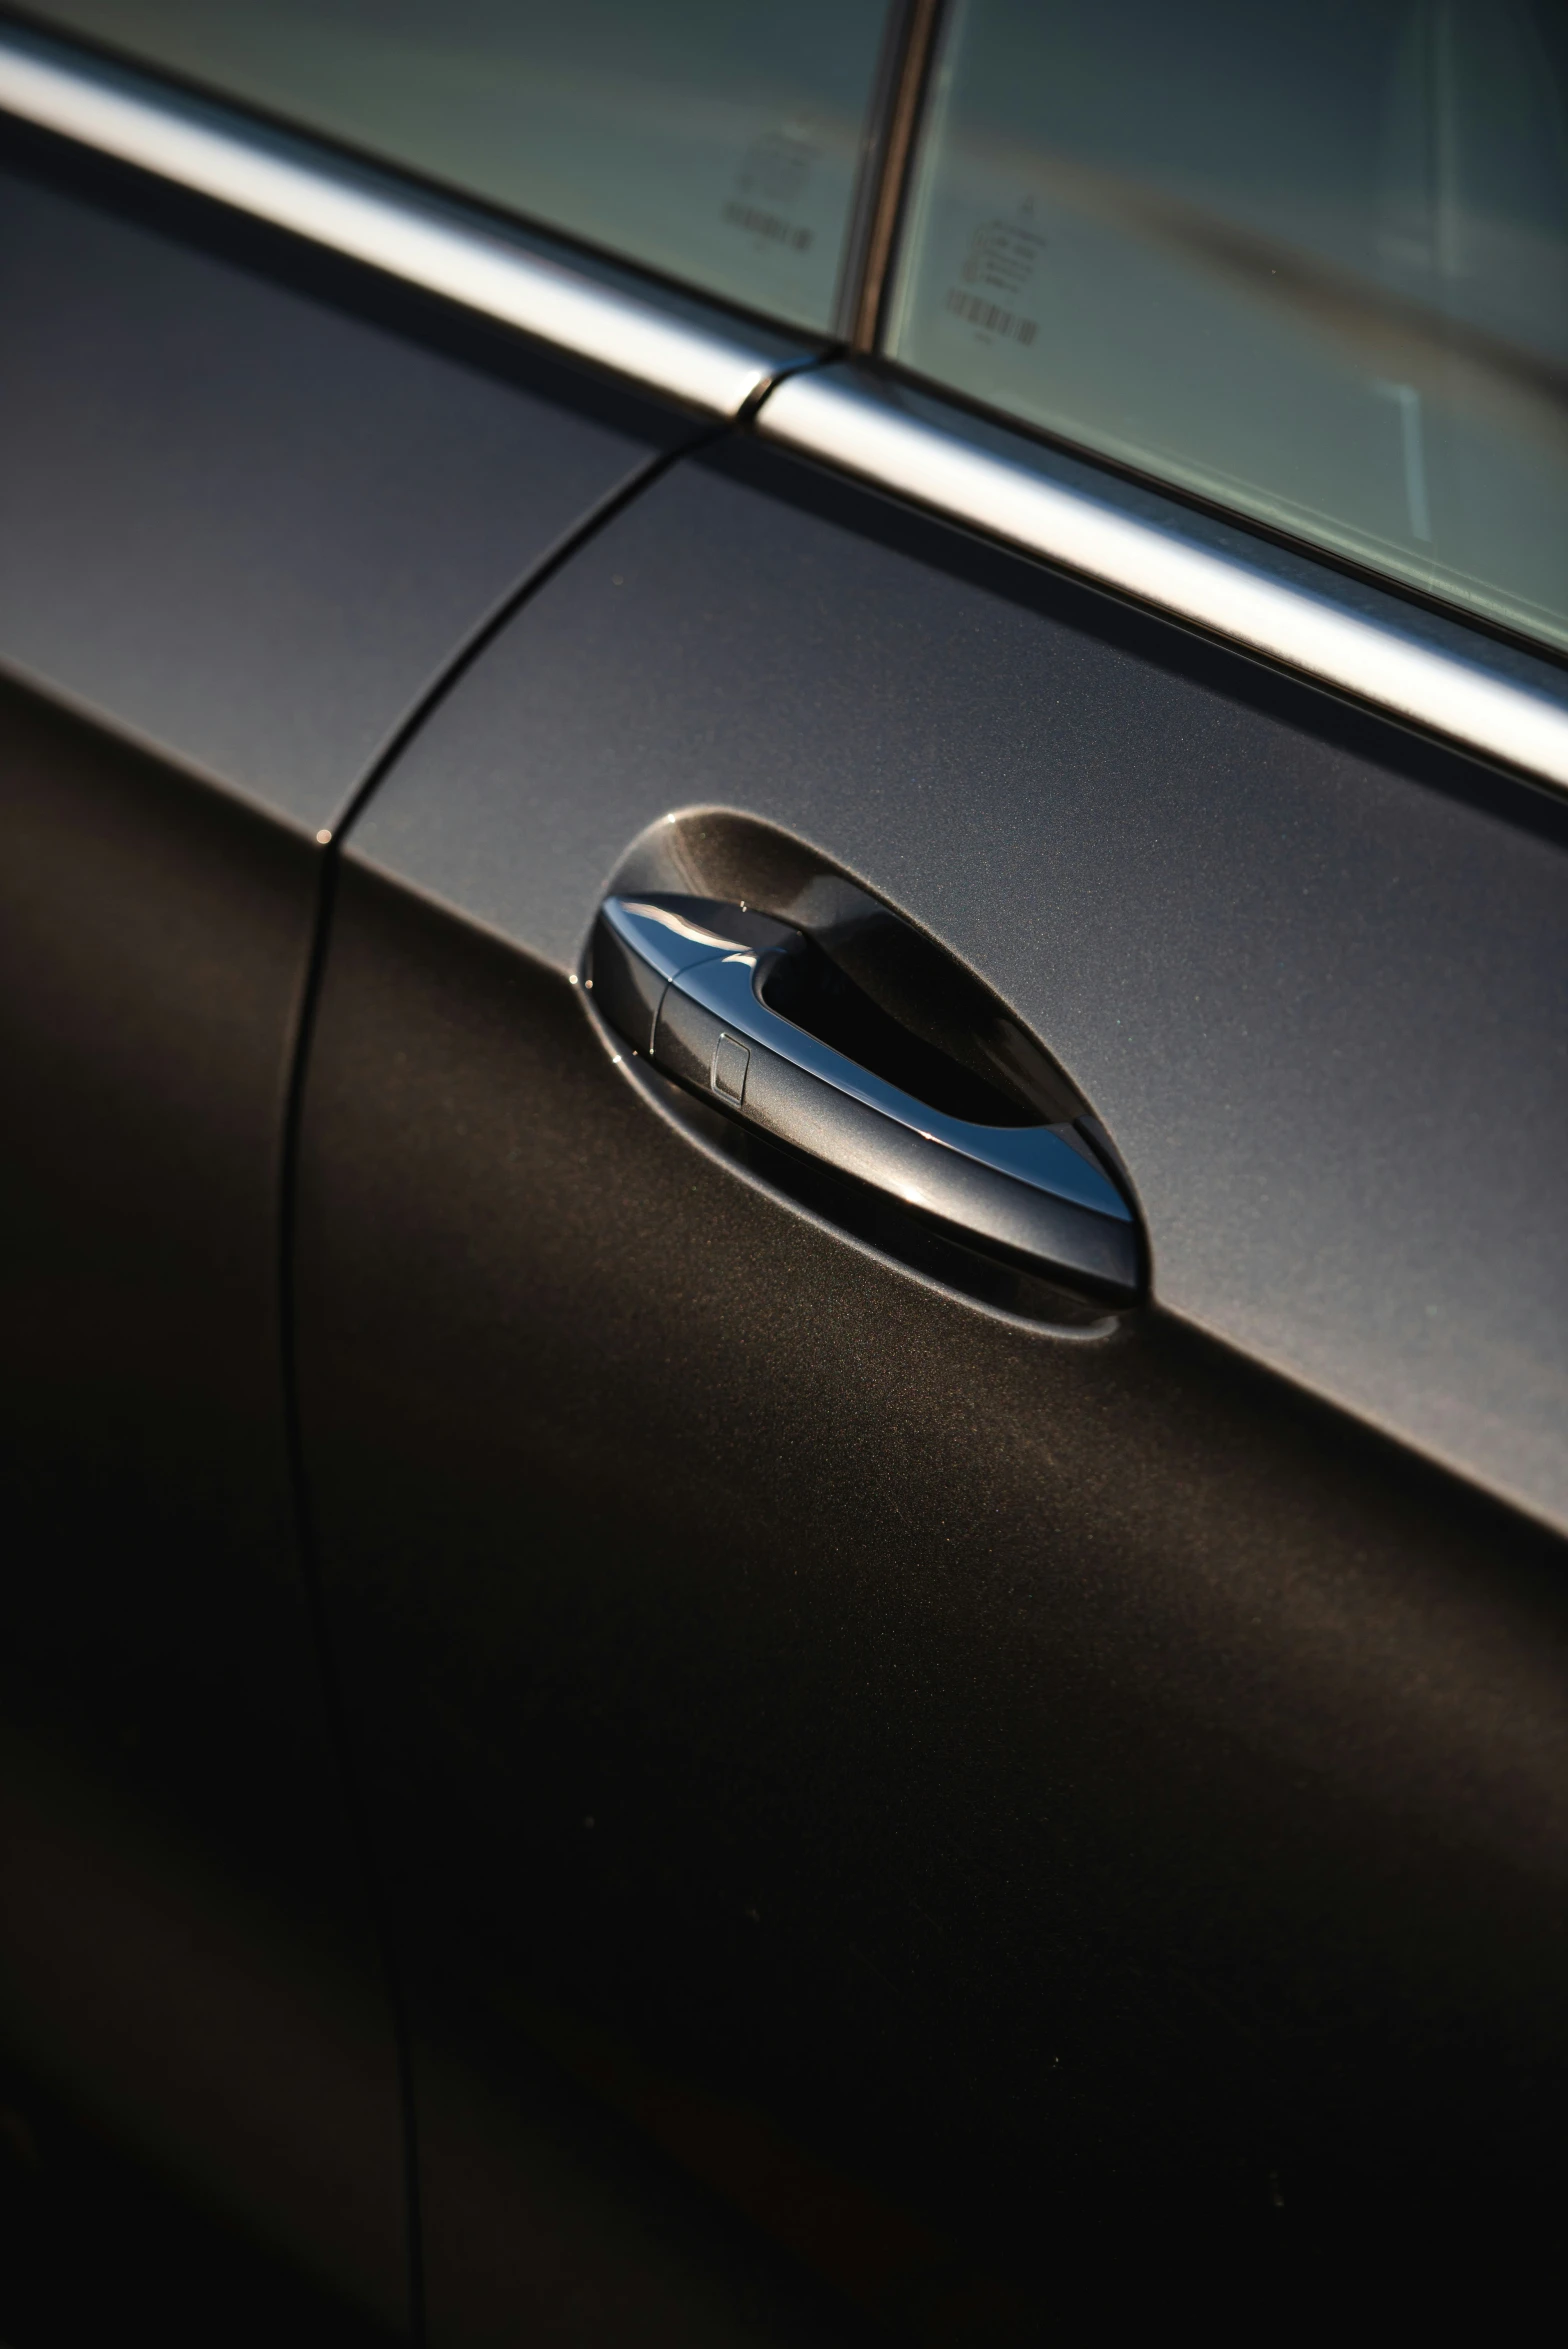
column 716, row 141
column 1309, row 261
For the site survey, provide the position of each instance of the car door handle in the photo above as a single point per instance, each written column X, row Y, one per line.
column 692, row 995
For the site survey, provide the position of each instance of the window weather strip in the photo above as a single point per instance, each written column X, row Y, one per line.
column 1433, row 672
column 716, row 367
column 917, row 32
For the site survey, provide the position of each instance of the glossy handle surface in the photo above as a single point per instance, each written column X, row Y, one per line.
column 692, row 1000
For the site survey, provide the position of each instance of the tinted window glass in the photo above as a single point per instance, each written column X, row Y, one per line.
column 1308, row 259
column 715, row 140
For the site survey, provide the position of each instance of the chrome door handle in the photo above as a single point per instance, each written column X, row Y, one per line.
column 693, row 1001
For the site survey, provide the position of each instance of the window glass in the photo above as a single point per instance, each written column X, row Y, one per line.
column 718, row 141
column 1309, row 259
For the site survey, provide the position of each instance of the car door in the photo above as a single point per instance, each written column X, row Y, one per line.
column 256, row 502
column 1030, row 1758
column 919, row 1209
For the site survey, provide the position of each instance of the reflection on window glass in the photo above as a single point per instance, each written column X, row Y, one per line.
column 718, row 141
column 1309, row 259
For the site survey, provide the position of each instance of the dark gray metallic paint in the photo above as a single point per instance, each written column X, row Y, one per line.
column 187, row 1956
column 1045, row 1776
column 238, row 525
column 251, row 506
column 1311, row 972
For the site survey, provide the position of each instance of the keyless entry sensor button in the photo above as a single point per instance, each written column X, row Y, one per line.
column 637, row 950
column 730, row 1062
column 692, row 995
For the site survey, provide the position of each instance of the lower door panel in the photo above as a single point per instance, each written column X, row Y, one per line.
column 187, row 1967
column 977, row 1779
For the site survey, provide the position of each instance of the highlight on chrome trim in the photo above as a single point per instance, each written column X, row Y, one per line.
column 1434, row 672
column 398, row 230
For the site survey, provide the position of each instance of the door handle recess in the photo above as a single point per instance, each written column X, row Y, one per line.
column 692, row 996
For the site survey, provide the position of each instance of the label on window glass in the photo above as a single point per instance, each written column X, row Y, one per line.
column 1307, row 262
column 994, row 280
column 770, row 186
column 718, row 142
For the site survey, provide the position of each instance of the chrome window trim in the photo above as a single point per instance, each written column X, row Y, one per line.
column 716, row 367
column 1421, row 666
column 1432, row 671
